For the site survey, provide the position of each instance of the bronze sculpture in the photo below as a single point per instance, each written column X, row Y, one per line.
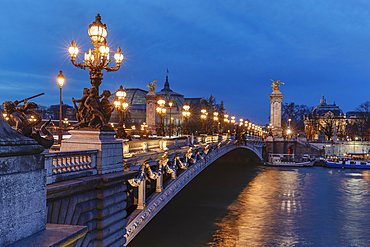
column 17, row 117
column 93, row 112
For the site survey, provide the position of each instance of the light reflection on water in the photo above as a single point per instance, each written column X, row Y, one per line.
column 235, row 205
column 299, row 207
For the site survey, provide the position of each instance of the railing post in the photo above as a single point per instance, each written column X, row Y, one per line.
column 141, row 195
column 159, row 184
column 173, row 175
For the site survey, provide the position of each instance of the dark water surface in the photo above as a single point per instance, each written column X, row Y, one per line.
column 236, row 203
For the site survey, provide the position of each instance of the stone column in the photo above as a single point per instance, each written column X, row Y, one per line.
column 141, row 195
column 159, row 184
column 151, row 115
column 276, row 98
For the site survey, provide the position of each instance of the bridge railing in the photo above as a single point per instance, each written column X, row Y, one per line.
column 62, row 166
column 67, row 165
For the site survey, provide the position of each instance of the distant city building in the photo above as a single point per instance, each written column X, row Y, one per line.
column 327, row 121
column 136, row 114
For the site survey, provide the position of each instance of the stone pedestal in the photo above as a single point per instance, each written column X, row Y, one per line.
column 110, row 154
column 22, row 186
column 276, row 98
column 151, row 105
column 23, row 194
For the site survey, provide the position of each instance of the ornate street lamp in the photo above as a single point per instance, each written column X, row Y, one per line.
column 121, row 106
column 226, row 121
column 161, row 111
column 203, row 117
column 60, row 79
column 97, row 59
column 170, row 104
column 246, row 126
column 232, row 122
column 66, row 123
column 186, row 115
column 215, row 118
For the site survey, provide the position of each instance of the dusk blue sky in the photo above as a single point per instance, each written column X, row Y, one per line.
column 228, row 49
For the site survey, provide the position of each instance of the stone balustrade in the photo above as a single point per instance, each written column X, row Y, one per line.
column 61, row 166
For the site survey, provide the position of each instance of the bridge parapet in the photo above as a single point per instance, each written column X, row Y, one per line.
column 62, row 166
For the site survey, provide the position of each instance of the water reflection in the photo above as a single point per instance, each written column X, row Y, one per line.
column 295, row 207
column 255, row 217
column 354, row 190
column 265, row 206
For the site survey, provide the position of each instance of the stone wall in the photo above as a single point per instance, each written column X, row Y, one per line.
column 98, row 202
column 297, row 146
column 22, row 197
column 341, row 148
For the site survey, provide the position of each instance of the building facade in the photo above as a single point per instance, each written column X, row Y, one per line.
column 328, row 122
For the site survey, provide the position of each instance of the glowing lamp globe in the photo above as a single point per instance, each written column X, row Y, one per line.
column 97, row 31
column 60, row 79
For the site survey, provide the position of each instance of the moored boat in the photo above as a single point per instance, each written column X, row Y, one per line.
column 289, row 160
column 354, row 160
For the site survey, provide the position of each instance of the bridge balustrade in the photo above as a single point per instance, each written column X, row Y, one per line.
column 62, row 166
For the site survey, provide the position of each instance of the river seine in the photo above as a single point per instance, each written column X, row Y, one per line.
column 236, row 203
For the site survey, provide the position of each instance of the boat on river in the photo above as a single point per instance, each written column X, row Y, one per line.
column 289, row 160
column 353, row 160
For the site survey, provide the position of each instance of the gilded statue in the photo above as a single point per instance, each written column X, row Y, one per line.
column 275, row 85
column 151, row 86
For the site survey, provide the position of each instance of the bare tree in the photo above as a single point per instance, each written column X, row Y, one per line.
column 296, row 113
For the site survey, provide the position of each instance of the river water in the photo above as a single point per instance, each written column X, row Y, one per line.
column 235, row 203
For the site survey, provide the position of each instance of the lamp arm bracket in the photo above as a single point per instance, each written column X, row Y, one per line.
column 78, row 65
column 111, row 68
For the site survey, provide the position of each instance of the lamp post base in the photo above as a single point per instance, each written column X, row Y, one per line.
column 121, row 133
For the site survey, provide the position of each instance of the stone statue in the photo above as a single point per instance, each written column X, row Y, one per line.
column 275, row 85
column 151, row 86
column 18, row 116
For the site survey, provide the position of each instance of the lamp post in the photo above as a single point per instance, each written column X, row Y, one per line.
column 246, row 122
column 97, row 59
column 241, row 123
column 60, row 79
column 226, row 121
column 170, row 104
column 121, row 106
column 215, row 118
column 65, row 122
column 232, row 122
column 203, row 117
column 161, row 111
column 143, row 126
column 186, row 115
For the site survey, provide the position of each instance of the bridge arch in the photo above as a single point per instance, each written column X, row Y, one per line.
column 250, row 152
